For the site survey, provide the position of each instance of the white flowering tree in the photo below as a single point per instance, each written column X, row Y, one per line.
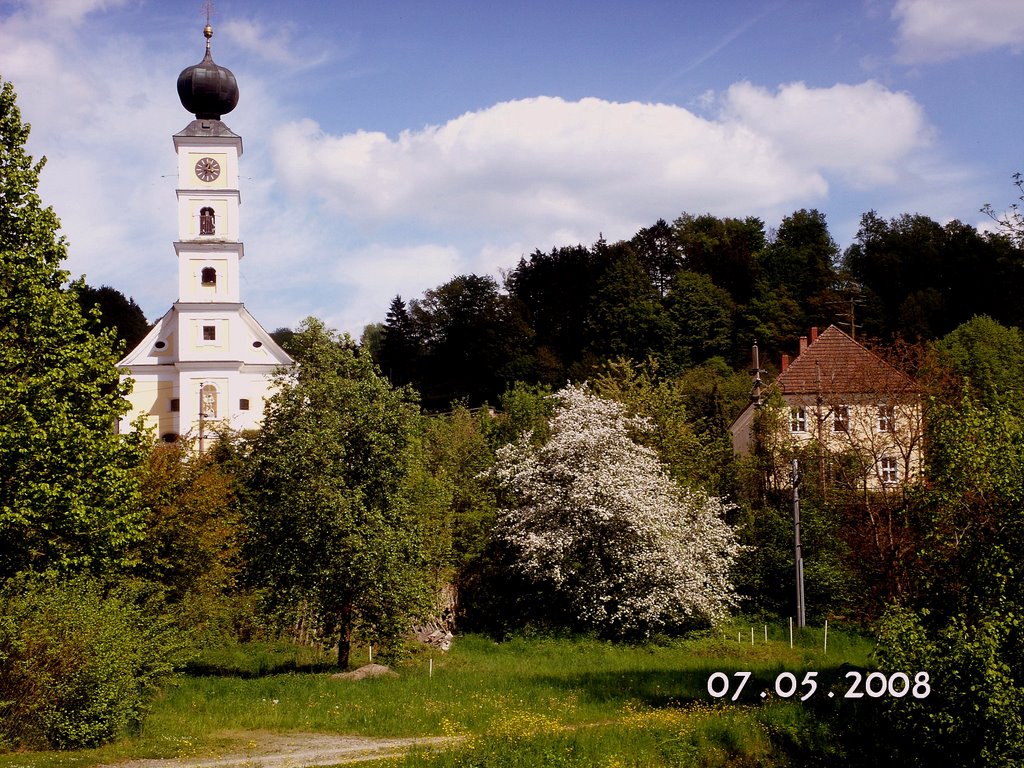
column 597, row 519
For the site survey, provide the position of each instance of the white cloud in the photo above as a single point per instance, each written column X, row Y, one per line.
column 68, row 11
column 538, row 166
column 861, row 132
column 276, row 47
column 939, row 30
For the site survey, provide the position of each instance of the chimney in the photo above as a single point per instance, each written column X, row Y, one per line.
column 785, row 363
column 814, row 334
column 803, row 344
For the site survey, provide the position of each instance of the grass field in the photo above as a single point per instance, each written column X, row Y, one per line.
column 529, row 702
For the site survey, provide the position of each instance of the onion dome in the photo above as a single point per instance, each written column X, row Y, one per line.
column 206, row 89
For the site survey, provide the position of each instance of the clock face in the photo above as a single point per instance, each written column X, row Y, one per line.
column 207, row 169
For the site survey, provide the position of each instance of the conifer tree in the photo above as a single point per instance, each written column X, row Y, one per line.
column 68, row 493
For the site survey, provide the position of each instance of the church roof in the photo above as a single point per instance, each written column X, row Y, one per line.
column 207, row 128
column 835, row 363
column 207, row 89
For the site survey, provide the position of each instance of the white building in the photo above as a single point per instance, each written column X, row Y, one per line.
column 851, row 404
column 206, row 362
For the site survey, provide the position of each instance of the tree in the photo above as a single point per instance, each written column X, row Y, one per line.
column 191, row 543
column 929, row 278
column 329, row 531
column 68, row 487
column 802, row 256
column 117, row 311
column 595, row 522
column 556, row 291
column 474, row 341
column 700, row 317
column 657, row 251
column 988, row 355
column 726, row 250
column 964, row 623
column 626, row 318
column 399, row 351
column 692, row 459
column 1010, row 222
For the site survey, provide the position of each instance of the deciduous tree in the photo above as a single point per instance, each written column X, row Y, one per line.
column 597, row 522
column 68, row 488
column 328, row 525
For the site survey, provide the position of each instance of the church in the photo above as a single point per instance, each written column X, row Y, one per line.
column 207, row 363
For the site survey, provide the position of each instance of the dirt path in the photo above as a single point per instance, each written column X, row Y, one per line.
column 298, row 750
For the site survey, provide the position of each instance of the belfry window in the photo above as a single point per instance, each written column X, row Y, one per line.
column 207, row 225
column 209, row 276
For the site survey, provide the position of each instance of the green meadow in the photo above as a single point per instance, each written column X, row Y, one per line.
column 529, row 702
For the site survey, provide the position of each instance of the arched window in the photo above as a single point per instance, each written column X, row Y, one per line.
column 208, row 401
column 207, row 225
column 209, row 276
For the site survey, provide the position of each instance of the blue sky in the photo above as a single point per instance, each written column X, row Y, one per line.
column 392, row 145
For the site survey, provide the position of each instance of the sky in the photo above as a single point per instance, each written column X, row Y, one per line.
column 390, row 146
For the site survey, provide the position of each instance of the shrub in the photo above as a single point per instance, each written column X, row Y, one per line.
column 973, row 715
column 76, row 664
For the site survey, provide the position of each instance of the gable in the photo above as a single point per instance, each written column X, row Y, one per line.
column 836, row 364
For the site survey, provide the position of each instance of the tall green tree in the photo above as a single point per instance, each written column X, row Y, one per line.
column 117, row 311
column 329, row 529
column 700, row 317
column 626, row 317
column 68, row 488
column 802, row 257
column 988, row 355
column 726, row 250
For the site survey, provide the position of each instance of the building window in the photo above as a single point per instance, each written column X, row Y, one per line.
column 798, row 419
column 175, row 405
column 243, row 404
column 886, row 418
column 208, row 401
column 841, row 418
column 207, row 226
column 209, row 276
column 209, row 333
column 889, row 470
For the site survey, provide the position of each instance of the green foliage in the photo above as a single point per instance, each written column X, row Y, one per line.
column 77, row 665
column 973, row 508
column 190, row 545
column 117, row 313
column 693, row 459
column 801, row 258
column 928, row 278
column 626, row 317
column 700, row 314
column 963, row 623
column 988, row 355
column 974, row 715
column 68, row 490
column 329, row 530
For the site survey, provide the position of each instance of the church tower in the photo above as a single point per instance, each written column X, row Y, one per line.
column 206, row 363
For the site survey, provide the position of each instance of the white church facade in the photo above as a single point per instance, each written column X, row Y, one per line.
column 206, row 363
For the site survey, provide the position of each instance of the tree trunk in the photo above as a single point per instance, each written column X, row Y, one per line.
column 345, row 636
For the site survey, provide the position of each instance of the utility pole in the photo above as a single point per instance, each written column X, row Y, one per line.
column 801, row 618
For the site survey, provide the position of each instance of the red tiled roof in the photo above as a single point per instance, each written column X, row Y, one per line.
column 836, row 364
